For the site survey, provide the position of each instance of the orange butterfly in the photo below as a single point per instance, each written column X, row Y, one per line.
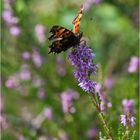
column 64, row 38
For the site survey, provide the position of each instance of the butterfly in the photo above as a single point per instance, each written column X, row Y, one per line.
column 63, row 39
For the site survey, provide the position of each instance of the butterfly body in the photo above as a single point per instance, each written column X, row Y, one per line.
column 63, row 39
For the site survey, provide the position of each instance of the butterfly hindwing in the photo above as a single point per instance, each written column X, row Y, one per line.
column 56, row 47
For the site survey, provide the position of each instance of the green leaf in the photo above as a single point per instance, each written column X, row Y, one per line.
column 20, row 6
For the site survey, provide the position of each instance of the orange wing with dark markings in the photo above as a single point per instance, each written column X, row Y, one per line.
column 59, row 32
column 77, row 20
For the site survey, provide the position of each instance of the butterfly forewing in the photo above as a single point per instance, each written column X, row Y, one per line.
column 77, row 20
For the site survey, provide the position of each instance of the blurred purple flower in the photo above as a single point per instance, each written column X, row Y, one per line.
column 109, row 104
column 26, row 55
column 60, row 66
column 40, row 33
column 102, row 105
column 128, row 106
column 36, row 58
column 48, row 113
column 92, row 132
column 96, row 1
column 98, row 87
column 20, row 137
column 12, row 82
column 127, row 120
column 41, row 93
column 123, row 120
column 3, row 122
column 9, row 18
column 105, row 103
column 132, row 120
column 67, row 100
column 15, row 30
column 82, row 58
column 89, row 3
column 7, row 3
column 109, row 82
column 25, row 73
column 37, row 82
column 134, row 64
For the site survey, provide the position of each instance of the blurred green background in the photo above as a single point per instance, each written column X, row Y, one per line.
column 33, row 80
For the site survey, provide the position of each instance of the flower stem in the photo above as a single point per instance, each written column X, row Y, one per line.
column 102, row 117
column 106, row 128
column 126, row 137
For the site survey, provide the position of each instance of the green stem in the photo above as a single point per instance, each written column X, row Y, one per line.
column 96, row 102
column 93, row 101
column 106, row 128
column 126, row 137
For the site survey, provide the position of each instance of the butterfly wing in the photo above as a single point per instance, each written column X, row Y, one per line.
column 62, row 45
column 64, row 39
column 77, row 20
column 56, row 47
column 59, row 32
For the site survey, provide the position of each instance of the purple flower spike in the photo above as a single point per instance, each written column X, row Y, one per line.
column 128, row 106
column 82, row 59
column 87, row 85
column 105, row 103
column 128, row 120
column 80, row 75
